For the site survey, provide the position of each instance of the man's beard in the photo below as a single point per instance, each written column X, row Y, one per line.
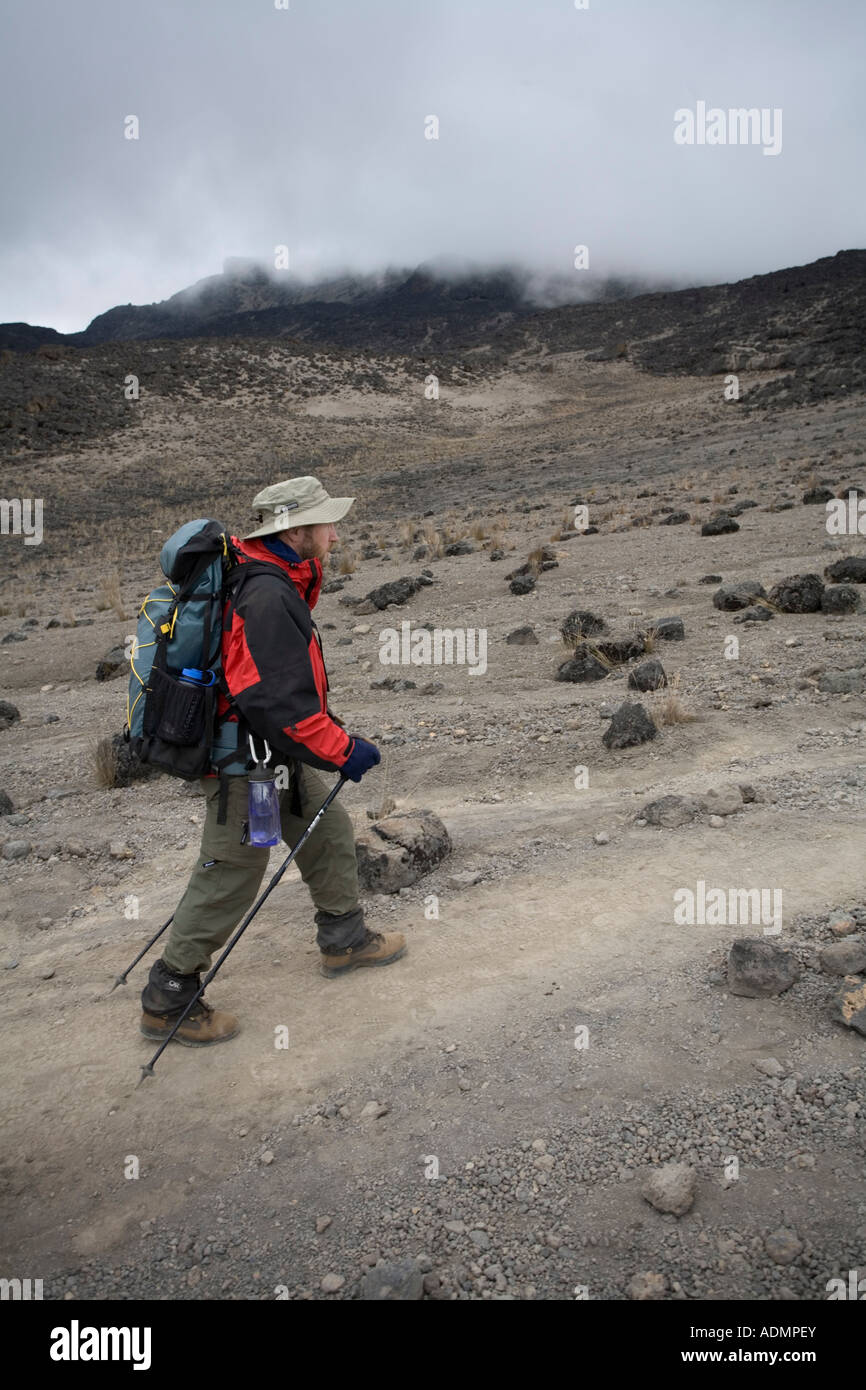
column 308, row 549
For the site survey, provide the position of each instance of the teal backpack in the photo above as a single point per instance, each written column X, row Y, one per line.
column 171, row 720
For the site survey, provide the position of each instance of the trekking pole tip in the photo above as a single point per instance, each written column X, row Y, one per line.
column 146, row 1071
column 118, row 980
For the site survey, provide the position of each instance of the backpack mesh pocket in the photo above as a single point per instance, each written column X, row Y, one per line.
column 176, row 712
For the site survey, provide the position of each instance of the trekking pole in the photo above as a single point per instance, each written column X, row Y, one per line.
column 121, row 979
column 147, row 1069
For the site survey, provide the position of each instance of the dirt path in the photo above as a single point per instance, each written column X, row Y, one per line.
column 559, row 932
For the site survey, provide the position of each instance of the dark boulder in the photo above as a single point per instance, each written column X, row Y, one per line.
column 650, row 675
column 731, row 597
column 815, row 496
column 630, row 725
column 581, row 623
column 128, row 767
column 395, row 591
column 840, row 598
column 757, row 614
column 758, row 968
column 522, row 584
column 619, row 650
column 9, row 714
column 719, row 525
column 114, row 663
column 522, row 637
column 581, row 667
column 799, row 593
column 669, row 629
column 851, row 570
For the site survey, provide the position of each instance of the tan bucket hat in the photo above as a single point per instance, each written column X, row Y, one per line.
column 296, row 502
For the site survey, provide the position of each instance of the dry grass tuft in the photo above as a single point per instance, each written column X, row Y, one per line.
column 103, row 761
column 667, row 707
column 348, row 564
column 433, row 540
column 110, row 596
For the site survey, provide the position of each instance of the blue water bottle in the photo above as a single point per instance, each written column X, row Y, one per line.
column 264, row 803
column 191, row 675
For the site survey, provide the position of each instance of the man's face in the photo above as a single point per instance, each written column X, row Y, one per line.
column 314, row 542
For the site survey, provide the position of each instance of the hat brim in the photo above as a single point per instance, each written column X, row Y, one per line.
column 332, row 510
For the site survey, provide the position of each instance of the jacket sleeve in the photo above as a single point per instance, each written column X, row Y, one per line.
column 275, row 674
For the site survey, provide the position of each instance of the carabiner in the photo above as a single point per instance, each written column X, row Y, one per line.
column 253, row 751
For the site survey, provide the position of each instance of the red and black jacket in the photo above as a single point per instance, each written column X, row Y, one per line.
column 272, row 660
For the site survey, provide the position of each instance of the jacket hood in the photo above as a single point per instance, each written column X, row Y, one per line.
column 306, row 575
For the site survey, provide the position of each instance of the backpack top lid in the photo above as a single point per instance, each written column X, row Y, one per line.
column 184, row 550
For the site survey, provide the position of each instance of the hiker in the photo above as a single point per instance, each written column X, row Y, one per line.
column 274, row 670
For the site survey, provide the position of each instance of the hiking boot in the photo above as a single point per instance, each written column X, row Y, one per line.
column 202, row 1026
column 377, row 948
column 163, row 1000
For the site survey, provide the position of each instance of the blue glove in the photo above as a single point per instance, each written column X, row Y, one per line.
column 363, row 756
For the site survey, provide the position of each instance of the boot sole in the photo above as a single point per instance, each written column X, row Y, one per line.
column 331, row 972
column 155, row 1036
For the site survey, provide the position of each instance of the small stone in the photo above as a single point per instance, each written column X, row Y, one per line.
column 768, row 1066
column 723, row 801
column 783, row 1246
column 374, row 1110
column 331, row 1283
column 670, row 1188
column 466, row 878
column 602, row 838
column 266, row 1158
column 392, row 1281
column 849, row 1004
column 842, row 924
column 846, row 957
column 16, row 849
column 647, row 1287
column 322, row 1224
column 670, row 811
column 717, row 823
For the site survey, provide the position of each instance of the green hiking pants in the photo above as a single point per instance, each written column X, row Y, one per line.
column 226, row 879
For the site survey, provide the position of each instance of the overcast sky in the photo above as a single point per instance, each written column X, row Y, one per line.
column 306, row 127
